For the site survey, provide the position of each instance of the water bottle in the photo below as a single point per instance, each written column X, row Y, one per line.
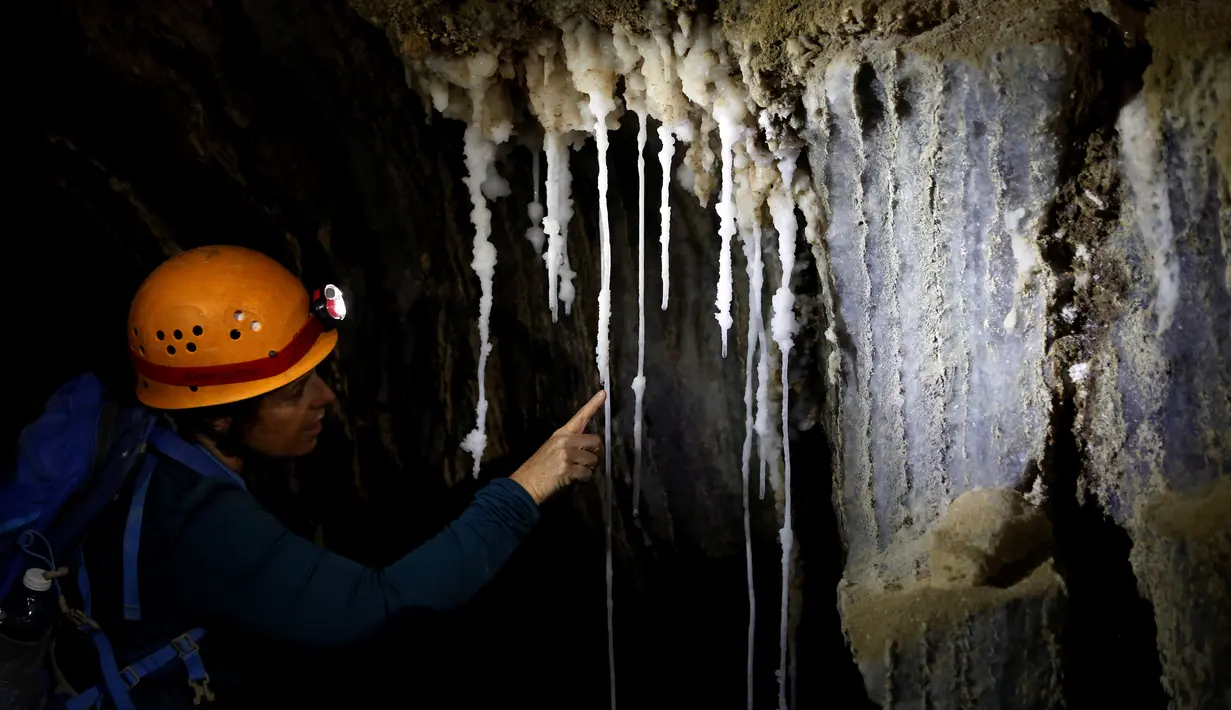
column 25, row 636
column 29, row 610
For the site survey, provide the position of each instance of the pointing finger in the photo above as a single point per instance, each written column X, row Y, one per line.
column 578, row 423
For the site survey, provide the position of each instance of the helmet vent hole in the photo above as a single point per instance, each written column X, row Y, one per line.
column 197, row 330
column 179, row 335
column 160, row 335
column 192, row 388
column 235, row 334
column 142, row 349
column 239, row 315
column 170, row 349
column 134, row 331
column 256, row 326
column 273, row 353
column 145, row 384
column 192, row 347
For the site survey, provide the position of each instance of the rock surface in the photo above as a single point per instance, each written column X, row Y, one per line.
column 988, row 537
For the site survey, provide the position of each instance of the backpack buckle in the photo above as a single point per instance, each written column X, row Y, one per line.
column 198, row 678
column 201, row 691
column 129, row 676
column 184, row 645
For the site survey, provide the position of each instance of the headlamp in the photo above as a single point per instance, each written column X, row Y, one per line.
column 329, row 306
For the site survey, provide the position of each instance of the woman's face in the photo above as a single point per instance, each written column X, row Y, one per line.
column 288, row 420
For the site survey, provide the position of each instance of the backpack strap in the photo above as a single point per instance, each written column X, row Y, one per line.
column 183, row 647
column 132, row 540
column 117, row 682
column 115, row 686
column 194, row 457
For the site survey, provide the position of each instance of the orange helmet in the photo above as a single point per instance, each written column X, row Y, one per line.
column 219, row 324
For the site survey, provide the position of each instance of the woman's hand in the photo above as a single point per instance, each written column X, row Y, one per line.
column 569, row 455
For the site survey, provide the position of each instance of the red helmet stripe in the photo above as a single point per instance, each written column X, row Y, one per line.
column 277, row 363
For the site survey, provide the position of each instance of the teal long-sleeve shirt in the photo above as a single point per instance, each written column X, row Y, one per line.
column 237, row 562
column 212, row 556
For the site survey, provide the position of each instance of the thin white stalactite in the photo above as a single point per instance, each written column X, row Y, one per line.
column 767, row 450
column 535, row 234
column 782, row 208
column 603, row 353
column 754, row 283
column 639, row 380
column 480, row 153
column 667, row 136
column 565, row 176
column 728, row 131
column 551, row 222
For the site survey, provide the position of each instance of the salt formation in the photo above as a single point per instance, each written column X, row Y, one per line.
column 557, row 105
column 754, row 173
column 590, row 59
column 679, row 76
column 634, row 92
column 487, row 125
column 639, row 380
column 1141, row 138
column 664, row 100
column 728, row 112
column 667, row 137
column 782, row 209
column 534, row 233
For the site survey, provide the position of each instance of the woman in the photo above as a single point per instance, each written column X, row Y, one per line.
column 225, row 341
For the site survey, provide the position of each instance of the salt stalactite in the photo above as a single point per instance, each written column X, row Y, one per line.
column 750, row 236
column 667, row 136
column 567, row 291
column 639, row 380
column 556, row 104
column 534, row 210
column 591, row 64
column 782, row 210
column 555, row 223
column 665, row 101
column 766, row 436
column 629, row 58
column 729, row 112
column 721, row 98
column 480, row 152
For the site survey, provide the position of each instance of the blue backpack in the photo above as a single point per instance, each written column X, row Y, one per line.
column 71, row 463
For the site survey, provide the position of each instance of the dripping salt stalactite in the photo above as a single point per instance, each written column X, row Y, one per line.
column 639, row 380
column 764, row 425
column 567, row 291
column 664, row 100
column 782, row 210
column 551, row 222
column 480, row 153
column 667, row 136
column 555, row 103
column 754, row 285
column 591, row 67
column 767, row 440
column 728, row 112
column 599, row 108
column 754, row 175
column 534, row 233
column 628, row 56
